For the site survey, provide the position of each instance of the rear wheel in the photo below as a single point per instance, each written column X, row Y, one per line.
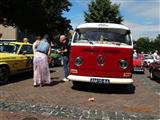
column 4, row 74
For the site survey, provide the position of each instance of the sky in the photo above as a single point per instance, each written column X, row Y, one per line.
column 141, row 16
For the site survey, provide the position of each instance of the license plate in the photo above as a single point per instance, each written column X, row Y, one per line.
column 138, row 69
column 99, row 81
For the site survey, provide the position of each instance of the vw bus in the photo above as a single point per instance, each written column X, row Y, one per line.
column 101, row 53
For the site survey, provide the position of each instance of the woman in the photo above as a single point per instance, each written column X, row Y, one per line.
column 41, row 68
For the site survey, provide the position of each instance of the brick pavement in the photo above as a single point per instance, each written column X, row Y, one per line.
column 109, row 103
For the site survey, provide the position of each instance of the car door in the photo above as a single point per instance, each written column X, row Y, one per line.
column 26, row 54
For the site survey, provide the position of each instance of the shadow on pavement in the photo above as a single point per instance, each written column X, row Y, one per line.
column 20, row 77
column 106, row 89
column 23, row 76
column 155, row 79
column 54, row 82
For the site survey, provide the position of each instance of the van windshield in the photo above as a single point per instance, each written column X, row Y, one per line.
column 102, row 36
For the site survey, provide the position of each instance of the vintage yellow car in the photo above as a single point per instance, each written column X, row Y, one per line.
column 15, row 57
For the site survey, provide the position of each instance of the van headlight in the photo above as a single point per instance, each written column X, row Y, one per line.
column 78, row 61
column 123, row 64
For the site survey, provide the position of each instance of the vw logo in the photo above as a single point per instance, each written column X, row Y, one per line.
column 101, row 60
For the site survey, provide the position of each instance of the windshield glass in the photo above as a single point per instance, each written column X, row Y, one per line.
column 102, row 36
column 9, row 48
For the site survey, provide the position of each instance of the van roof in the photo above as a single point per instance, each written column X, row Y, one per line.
column 103, row 25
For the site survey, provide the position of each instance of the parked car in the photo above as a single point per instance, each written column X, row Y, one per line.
column 138, row 65
column 15, row 57
column 55, row 58
column 147, row 60
column 154, row 69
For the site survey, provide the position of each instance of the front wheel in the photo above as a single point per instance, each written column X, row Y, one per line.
column 152, row 75
column 4, row 74
column 52, row 63
column 78, row 84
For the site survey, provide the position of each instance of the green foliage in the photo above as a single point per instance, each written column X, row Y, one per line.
column 36, row 16
column 148, row 45
column 157, row 43
column 103, row 11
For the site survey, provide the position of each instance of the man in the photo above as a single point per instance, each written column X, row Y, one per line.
column 65, row 55
column 155, row 56
column 25, row 40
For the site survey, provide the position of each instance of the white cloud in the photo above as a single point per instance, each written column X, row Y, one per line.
column 139, row 30
column 145, row 17
column 142, row 8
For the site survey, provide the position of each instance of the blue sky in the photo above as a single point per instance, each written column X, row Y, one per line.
column 141, row 16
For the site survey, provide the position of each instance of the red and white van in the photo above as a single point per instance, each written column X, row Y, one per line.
column 101, row 53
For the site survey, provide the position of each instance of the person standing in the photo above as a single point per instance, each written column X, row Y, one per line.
column 135, row 55
column 35, row 44
column 25, row 40
column 155, row 56
column 40, row 61
column 65, row 55
column 141, row 56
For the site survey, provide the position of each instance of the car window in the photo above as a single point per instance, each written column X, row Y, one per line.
column 9, row 48
column 27, row 49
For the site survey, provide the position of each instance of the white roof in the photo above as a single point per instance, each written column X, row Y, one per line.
column 103, row 25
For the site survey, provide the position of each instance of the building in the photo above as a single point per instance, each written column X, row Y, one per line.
column 8, row 33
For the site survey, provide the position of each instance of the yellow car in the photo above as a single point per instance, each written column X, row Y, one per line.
column 15, row 57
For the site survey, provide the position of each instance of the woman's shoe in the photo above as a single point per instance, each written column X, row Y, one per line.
column 36, row 85
column 41, row 85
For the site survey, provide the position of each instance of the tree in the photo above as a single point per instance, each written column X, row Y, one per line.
column 103, row 11
column 36, row 16
column 143, row 44
column 157, row 43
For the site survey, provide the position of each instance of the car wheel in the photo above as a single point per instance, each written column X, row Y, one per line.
column 4, row 75
column 77, row 84
column 52, row 63
column 152, row 75
column 61, row 62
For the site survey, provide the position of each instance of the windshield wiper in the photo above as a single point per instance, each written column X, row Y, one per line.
column 90, row 42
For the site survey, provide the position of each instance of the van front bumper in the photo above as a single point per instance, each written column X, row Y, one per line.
column 102, row 80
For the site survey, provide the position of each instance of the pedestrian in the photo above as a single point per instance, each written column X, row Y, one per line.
column 135, row 55
column 35, row 44
column 65, row 55
column 41, row 67
column 25, row 40
column 141, row 56
column 155, row 55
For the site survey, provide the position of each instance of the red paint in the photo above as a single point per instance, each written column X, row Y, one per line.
column 111, row 67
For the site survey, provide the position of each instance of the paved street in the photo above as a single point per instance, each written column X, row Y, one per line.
column 63, row 101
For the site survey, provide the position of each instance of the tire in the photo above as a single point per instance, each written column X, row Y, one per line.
column 4, row 75
column 61, row 62
column 52, row 63
column 128, row 88
column 152, row 74
column 77, row 84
